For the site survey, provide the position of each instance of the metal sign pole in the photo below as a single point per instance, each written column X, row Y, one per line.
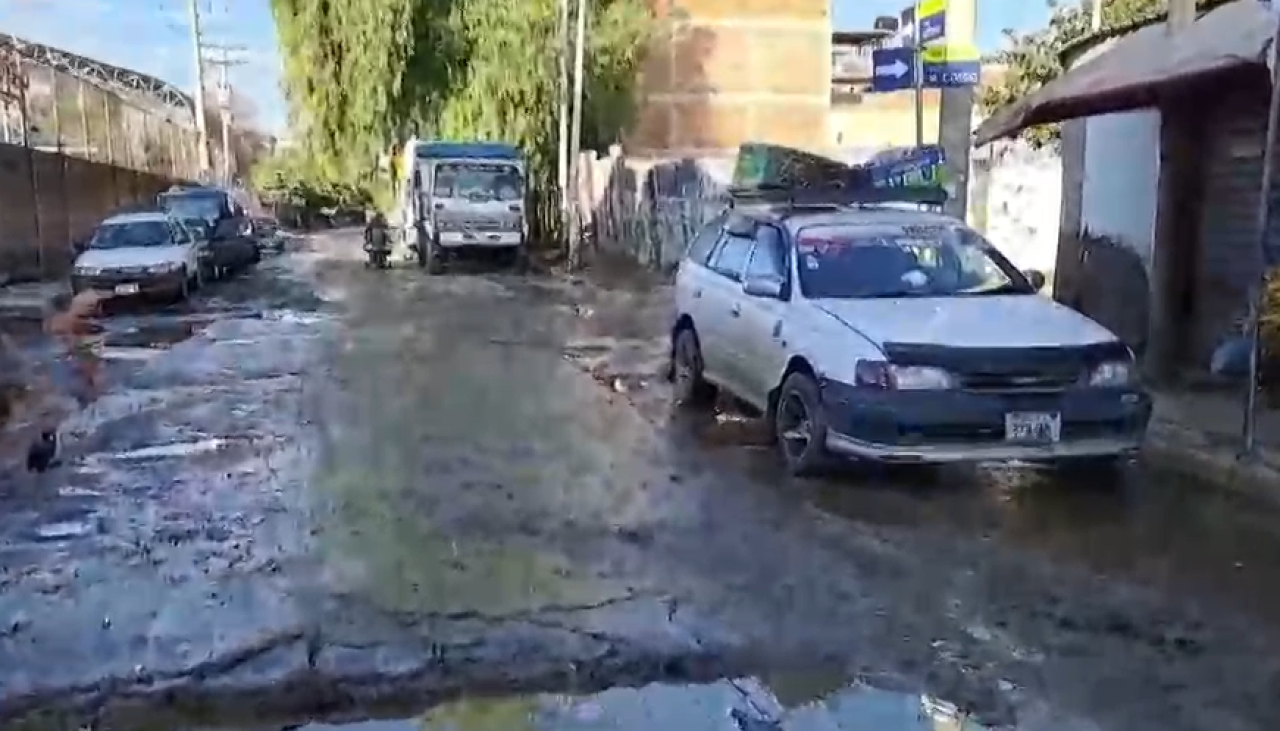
column 1249, row 429
column 918, row 73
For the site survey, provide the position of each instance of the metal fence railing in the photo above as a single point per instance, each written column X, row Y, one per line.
column 72, row 150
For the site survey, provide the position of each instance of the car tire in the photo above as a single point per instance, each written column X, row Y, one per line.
column 690, row 388
column 184, row 289
column 800, row 427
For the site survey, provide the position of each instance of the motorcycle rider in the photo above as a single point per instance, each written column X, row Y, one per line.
column 377, row 241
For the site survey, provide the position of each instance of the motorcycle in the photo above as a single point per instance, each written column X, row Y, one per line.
column 377, row 257
column 377, row 245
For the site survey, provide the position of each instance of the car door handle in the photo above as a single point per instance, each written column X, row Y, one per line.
column 736, row 310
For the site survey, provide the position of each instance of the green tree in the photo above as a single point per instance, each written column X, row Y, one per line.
column 1032, row 58
column 362, row 72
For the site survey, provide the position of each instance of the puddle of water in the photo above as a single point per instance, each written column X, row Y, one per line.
column 175, row 449
column 744, row 705
column 152, row 335
column 111, row 352
column 65, row 530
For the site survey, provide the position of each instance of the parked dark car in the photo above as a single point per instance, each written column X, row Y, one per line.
column 226, row 225
column 268, row 235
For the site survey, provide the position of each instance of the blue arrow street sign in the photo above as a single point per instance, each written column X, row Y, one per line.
column 892, row 69
column 948, row 74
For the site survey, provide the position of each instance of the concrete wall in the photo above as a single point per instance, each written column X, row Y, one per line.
column 884, row 120
column 723, row 72
column 1121, row 173
column 48, row 200
column 1020, row 202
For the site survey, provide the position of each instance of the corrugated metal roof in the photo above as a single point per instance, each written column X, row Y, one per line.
column 1138, row 68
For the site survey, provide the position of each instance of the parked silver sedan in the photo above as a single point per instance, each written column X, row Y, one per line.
column 895, row 335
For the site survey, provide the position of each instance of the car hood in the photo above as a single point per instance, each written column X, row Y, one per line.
column 993, row 321
column 140, row 256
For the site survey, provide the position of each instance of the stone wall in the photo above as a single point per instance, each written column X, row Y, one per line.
column 49, row 200
column 723, row 72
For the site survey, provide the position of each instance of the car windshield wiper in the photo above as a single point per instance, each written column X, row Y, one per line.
column 1006, row 288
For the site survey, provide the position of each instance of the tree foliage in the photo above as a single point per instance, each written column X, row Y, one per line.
column 361, row 73
column 1032, row 58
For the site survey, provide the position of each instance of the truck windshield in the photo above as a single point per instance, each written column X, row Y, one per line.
column 204, row 206
column 478, row 181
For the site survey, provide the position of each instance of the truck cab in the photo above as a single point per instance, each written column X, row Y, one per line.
column 459, row 196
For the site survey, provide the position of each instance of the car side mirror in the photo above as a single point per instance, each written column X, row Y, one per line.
column 79, row 245
column 1036, row 277
column 766, row 287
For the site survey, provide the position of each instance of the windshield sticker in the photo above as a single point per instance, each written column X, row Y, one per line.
column 924, row 229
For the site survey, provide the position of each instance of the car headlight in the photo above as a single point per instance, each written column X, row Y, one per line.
column 88, row 271
column 1112, row 374
column 164, row 267
column 879, row 374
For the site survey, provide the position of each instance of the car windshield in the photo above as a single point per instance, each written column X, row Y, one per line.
column 863, row 261
column 132, row 235
column 478, row 181
column 203, row 206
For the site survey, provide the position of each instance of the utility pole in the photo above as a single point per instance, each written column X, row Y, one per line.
column 562, row 169
column 202, row 128
column 917, row 73
column 1095, row 6
column 579, row 64
column 224, row 62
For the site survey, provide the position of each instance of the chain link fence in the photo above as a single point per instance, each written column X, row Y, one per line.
column 71, row 151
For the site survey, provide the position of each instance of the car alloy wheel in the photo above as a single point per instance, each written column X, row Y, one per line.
column 795, row 430
column 799, row 426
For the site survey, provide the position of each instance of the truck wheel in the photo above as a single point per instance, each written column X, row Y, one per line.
column 434, row 259
column 520, row 260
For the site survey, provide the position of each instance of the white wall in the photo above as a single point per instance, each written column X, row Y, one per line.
column 1121, row 174
column 1023, row 201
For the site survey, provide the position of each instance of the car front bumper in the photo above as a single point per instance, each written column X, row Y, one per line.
column 967, row 426
column 130, row 283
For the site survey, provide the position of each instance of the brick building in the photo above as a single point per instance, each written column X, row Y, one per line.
column 727, row 71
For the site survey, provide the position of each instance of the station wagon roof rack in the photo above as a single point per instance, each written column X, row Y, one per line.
column 837, row 195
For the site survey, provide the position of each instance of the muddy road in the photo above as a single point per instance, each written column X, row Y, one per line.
column 326, row 493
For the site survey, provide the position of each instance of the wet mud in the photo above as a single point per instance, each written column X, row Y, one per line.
column 327, row 494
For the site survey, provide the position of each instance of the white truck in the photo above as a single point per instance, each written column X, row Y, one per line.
column 456, row 196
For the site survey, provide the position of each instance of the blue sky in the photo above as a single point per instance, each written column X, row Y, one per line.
column 993, row 16
column 153, row 36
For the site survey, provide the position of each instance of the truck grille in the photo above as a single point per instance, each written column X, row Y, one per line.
column 479, row 225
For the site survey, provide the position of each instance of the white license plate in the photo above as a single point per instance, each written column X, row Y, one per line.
column 1033, row 427
column 126, row 289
